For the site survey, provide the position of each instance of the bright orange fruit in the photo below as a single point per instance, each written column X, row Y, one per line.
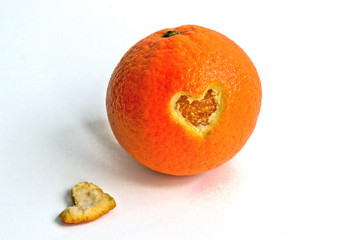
column 184, row 100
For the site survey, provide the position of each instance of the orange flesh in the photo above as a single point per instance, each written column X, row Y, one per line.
column 198, row 112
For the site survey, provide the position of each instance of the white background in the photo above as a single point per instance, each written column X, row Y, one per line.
column 296, row 178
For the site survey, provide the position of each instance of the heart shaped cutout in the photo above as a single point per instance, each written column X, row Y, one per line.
column 198, row 114
column 90, row 203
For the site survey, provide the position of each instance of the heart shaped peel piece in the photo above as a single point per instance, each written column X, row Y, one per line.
column 90, row 203
column 198, row 114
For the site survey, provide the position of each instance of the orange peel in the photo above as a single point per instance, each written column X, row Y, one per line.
column 90, row 204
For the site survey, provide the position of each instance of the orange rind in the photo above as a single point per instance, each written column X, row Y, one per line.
column 90, row 204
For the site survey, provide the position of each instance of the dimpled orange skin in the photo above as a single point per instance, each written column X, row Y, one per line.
column 153, row 71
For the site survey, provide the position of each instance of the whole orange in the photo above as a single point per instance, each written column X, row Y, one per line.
column 184, row 100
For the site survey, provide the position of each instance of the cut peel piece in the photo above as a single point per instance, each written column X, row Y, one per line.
column 90, row 203
column 199, row 115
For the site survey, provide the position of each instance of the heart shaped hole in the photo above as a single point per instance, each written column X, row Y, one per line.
column 199, row 115
column 198, row 111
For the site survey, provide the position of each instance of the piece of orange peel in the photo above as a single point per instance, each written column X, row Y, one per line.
column 90, row 204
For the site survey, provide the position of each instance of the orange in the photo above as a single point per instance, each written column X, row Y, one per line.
column 184, row 100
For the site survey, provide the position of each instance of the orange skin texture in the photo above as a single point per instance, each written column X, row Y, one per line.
column 153, row 71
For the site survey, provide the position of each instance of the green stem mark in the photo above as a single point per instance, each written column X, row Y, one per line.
column 170, row 33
